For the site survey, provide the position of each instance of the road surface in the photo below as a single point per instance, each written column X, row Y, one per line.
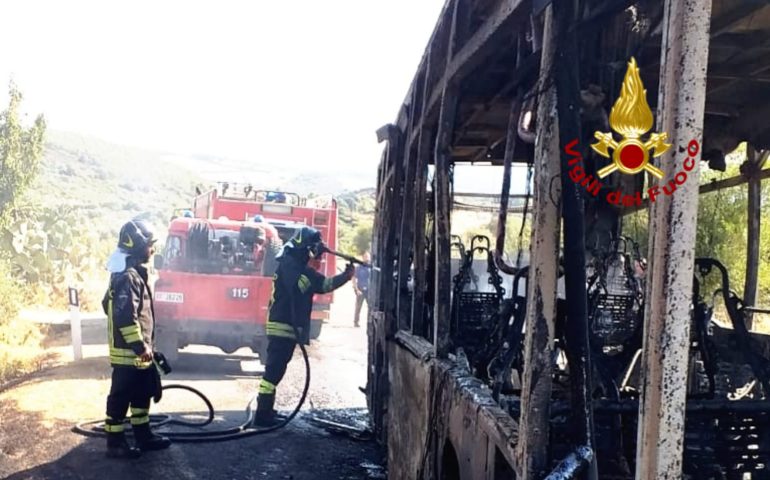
column 36, row 417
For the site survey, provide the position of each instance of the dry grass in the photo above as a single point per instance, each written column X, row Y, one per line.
column 761, row 324
column 21, row 349
column 21, row 341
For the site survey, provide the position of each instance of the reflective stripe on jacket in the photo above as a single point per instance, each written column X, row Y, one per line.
column 291, row 302
column 130, row 317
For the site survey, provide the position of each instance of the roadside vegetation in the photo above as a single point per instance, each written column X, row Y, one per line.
column 355, row 221
column 722, row 234
column 21, row 150
column 64, row 227
column 63, row 198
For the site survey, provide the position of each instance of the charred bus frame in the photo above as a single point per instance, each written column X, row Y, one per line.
column 490, row 64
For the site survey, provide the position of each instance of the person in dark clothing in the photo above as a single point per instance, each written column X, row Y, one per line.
column 291, row 304
column 361, row 287
column 130, row 327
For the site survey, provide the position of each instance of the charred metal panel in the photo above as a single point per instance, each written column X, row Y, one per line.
column 576, row 329
column 420, row 206
column 541, row 315
column 682, row 93
column 750, row 169
column 445, row 406
column 406, row 223
column 475, row 423
column 409, row 374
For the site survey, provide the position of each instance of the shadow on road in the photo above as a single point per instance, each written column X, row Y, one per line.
column 320, row 444
column 197, row 366
column 300, row 451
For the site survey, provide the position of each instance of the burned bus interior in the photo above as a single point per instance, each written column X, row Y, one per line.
column 587, row 353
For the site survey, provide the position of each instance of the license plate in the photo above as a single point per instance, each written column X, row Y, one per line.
column 169, row 297
column 239, row 293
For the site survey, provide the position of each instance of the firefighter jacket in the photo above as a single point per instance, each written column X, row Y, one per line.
column 291, row 302
column 130, row 317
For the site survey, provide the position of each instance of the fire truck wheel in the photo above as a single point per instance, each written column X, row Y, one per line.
column 261, row 351
column 315, row 328
column 168, row 344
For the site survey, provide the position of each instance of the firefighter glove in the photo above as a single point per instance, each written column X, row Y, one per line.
column 350, row 270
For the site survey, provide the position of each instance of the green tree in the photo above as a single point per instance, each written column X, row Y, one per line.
column 722, row 233
column 20, row 152
column 362, row 239
column 516, row 237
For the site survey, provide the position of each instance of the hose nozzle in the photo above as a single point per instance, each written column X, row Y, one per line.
column 349, row 258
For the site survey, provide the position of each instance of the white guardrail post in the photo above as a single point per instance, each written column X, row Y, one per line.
column 75, row 326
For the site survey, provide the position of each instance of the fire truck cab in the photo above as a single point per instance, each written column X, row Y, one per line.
column 215, row 273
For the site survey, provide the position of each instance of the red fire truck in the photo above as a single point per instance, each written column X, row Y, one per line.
column 215, row 273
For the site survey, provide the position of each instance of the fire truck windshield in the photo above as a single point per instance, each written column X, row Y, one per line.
column 217, row 251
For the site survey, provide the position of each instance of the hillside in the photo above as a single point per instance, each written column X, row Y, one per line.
column 279, row 174
column 87, row 188
column 66, row 226
column 356, row 219
column 107, row 183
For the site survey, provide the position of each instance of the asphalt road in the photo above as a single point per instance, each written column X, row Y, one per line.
column 36, row 417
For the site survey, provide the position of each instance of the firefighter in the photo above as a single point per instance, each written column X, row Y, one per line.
column 130, row 325
column 294, row 285
column 258, row 250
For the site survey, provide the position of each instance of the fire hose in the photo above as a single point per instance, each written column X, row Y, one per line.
column 95, row 428
column 351, row 259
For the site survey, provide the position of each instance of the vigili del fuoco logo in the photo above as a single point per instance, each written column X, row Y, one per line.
column 631, row 118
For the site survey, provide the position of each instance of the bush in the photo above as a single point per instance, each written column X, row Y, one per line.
column 362, row 239
column 49, row 250
column 20, row 349
column 10, row 295
column 20, row 341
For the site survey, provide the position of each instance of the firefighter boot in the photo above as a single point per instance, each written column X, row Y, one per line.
column 265, row 415
column 118, row 447
column 146, row 440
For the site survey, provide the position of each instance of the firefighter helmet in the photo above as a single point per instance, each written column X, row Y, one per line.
column 135, row 237
column 307, row 239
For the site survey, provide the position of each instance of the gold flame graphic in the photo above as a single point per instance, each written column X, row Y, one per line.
column 631, row 115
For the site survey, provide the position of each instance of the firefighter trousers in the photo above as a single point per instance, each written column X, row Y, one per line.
column 279, row 353
column 131, row 387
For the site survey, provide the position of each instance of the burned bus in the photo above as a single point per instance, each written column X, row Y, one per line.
column 625, row 372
